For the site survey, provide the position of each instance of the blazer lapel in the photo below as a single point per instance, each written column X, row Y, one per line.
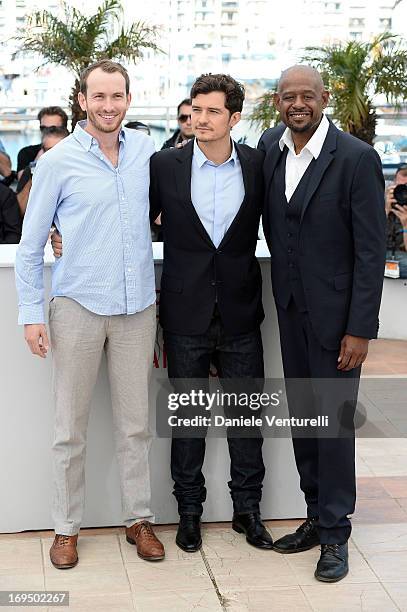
column 246, row 165
column 321, row 165
column 183, row 182
column 270, row 162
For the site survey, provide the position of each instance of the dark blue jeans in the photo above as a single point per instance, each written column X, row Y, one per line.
column 239, row 358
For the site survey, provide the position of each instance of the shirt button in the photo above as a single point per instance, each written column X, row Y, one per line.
column 101, row 157
column 128, row 269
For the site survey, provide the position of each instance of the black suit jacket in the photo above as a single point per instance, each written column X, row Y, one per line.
column 10, row 218
column 341, row 239
column 196, row 275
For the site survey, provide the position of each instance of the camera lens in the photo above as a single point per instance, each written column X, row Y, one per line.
column 400, row 194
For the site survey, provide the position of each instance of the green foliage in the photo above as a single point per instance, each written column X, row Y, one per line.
column 354, row 72
column 75, row 40
column 264, row 113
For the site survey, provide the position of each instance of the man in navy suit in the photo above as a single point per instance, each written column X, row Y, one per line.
column 324, row 221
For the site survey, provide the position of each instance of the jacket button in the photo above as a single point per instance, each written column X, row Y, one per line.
column 213, row 283
column 289, row 234
column 290, row 250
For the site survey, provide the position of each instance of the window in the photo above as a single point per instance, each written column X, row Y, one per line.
column 355, row 35
column 385, row 23
column 356, row 22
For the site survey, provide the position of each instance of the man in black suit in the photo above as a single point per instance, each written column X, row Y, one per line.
column 324, row 222
column 210, row 194
column 10, row 220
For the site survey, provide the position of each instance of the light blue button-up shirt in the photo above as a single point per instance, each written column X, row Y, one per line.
column 102, row 213
column 217, row 191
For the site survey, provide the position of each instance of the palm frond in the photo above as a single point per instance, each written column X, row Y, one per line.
column 264, row 113
column 76, row 40
column 129, row 43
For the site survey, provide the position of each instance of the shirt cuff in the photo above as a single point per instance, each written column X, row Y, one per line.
column 31, row 314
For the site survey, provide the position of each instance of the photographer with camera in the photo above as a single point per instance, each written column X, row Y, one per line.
column 50, row 136
column 396, row 211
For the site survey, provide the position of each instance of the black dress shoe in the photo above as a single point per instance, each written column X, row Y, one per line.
column 189, row 532
column 256, row 533
column 333, row 562
column 304, row 538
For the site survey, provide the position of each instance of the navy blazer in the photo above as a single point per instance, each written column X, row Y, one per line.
column 197, row 275
column 342, row 236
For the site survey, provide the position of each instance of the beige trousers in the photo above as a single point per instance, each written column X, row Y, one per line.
column 78, row 339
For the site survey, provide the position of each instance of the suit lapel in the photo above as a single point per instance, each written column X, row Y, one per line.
column 270, row 162
column 247, row 173
column 321, row 165
column 183, row 182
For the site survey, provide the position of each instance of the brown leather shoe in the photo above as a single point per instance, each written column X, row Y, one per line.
column 63, row 552
column 148, row 545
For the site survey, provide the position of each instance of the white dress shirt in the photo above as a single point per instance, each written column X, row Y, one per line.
column 296, row 165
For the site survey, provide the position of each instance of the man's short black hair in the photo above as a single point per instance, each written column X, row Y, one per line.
column 186, row 101
column 138, row 125
column 234, row 91
column 402, row 170
column 54, row 110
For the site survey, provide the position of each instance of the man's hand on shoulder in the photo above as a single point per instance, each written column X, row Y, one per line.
column 37, row 339
column 56, row 242
column 353, row 352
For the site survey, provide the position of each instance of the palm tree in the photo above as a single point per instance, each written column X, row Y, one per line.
column 264, row 113
column 76, row 41
column 354, row 72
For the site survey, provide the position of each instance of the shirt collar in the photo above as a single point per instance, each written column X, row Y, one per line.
column 201, row 159
column 86, row 140
column 315, row 143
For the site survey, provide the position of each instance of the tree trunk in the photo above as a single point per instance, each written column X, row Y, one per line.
column 367, row 131
column 76, row 112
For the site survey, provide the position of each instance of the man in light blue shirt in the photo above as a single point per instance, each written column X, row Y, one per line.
column 93, row 186
column 210, row 194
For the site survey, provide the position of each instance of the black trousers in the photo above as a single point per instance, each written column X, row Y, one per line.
column 239, row 358
column 326, row 465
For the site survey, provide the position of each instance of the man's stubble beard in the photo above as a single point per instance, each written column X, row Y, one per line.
column 92, row 118
column 309, row 127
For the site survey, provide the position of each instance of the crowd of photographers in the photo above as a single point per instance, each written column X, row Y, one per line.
column 15, row 185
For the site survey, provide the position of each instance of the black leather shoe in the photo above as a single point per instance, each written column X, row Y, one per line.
column 304, row 538
column 256, row 533
column 333, row 562
column 189, row 532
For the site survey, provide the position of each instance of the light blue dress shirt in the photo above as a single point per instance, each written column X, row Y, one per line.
column 102, row 213
column 217, row 191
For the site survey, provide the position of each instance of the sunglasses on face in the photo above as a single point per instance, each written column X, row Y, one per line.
column 184, row 118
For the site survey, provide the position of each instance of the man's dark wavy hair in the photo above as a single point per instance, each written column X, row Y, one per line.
column 234, row 91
